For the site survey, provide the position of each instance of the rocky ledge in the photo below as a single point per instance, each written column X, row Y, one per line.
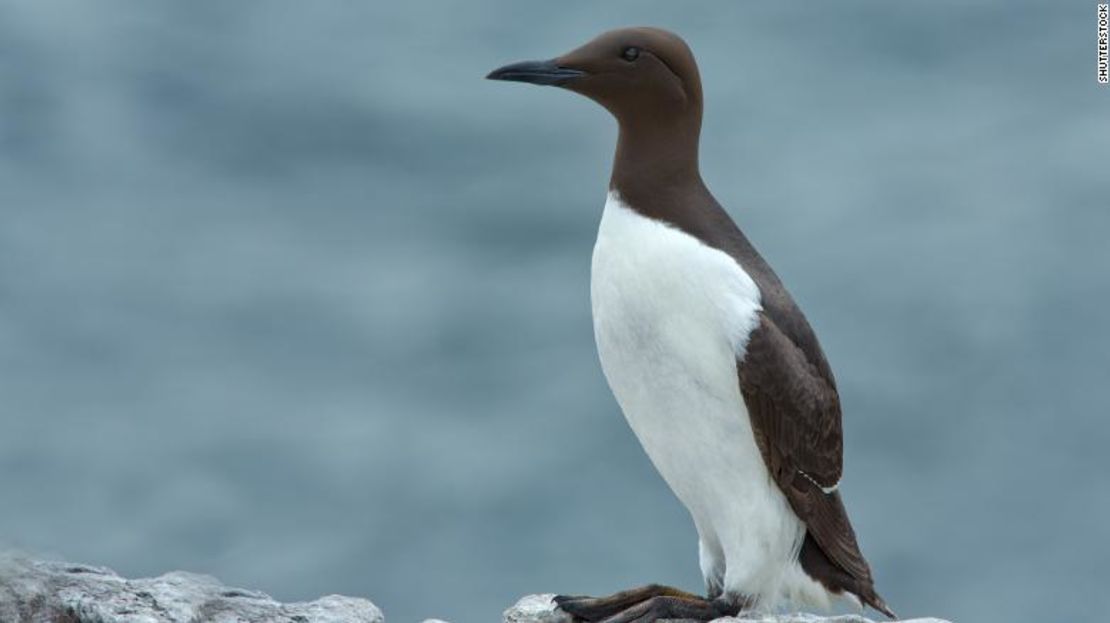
column 34, row 591
column 539, row 609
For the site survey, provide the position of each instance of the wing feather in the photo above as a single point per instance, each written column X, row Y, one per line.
column 795, row 413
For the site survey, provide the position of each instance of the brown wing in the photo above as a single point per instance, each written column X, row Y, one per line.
column 795, row 414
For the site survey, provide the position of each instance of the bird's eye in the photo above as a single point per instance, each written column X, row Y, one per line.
column 630, row 54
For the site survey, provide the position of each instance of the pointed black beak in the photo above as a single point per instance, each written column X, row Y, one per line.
column 547, row 73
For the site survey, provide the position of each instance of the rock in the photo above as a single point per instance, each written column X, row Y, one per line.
column 34, row 591
column 535, row 609
column 539, row 609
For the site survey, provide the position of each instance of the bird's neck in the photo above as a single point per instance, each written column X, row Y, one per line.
column 656, row 159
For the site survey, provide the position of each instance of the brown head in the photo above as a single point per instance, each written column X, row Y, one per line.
column 648, row 80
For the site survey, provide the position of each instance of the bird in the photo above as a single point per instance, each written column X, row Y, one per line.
column 714, row 366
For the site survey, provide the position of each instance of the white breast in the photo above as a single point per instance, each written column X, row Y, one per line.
column 671, row 317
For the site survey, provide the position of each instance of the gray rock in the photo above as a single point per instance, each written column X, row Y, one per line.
column 33, row 591
column 539, row 609
column 535, row 609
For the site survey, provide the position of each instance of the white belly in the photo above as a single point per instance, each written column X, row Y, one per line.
column 671, row 317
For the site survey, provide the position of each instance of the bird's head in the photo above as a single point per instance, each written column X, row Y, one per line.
column 639, row 74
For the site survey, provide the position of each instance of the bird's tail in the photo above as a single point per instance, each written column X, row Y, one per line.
column 871, row 598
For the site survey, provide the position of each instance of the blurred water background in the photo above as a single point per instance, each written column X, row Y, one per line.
column 290, row 295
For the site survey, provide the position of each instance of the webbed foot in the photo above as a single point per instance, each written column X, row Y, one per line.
column 645, row 605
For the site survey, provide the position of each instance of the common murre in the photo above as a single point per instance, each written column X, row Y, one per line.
column 715, row 368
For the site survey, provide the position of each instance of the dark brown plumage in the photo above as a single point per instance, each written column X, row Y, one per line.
column 648, row 79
